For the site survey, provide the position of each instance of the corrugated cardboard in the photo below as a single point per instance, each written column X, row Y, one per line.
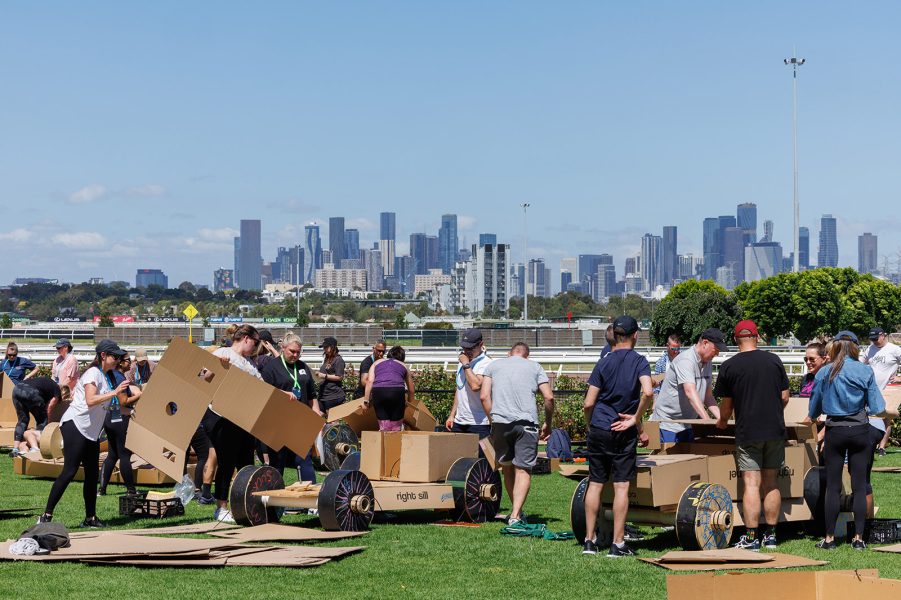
column 787, row 585
column 662, row 479
column 8, row 416
column 892, row 396
column 272, row 532
column 894, row 548
column 707, row 428
column 796, row 409
column 359, row 418
column 207, row 527
column 414, row 456
column 412, row 496
column 7, row 434
column 729, row 559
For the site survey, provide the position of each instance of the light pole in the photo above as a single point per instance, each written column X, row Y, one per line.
column 525, row 262
column 795, row 63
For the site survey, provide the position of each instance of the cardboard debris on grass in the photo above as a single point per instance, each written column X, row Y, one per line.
column 894, row 548
column 728, row 559
column 275, row 532
column 208, row 527
column 788, row 585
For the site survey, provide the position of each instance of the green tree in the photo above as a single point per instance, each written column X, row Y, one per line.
column 5, row 321
column 769, row 303
column 816, row 304
column 871, row 302
column 692, row 309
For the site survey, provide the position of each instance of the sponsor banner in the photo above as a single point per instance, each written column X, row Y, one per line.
column 226, row 319
column 118, row 319
column 68, row 319
column 164, row 319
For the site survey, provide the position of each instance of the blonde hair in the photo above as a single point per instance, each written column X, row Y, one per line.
column 290, row 338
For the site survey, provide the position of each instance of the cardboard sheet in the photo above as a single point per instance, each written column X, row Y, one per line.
column 778, row 561
column 117, row 544
column 272, row 532
column 894, row 548
column 788, row 585
column 359, row 418
column 214, row 562
column 887, row 469
column 207, row 527
column 724, row 555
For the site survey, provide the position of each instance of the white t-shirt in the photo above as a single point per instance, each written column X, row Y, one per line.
column 469, row 404
column 884, row 361
column 88, row 419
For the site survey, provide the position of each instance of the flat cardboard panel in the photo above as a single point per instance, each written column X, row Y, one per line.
column 662, row 479
column 796, row 409
column 271, row 532
column 707, row 428
column 7, row 434
column 894, row 548
column 8, row 417
column 800, row 585
column 208, row 527
column 355, row 415
column 412, row 496
column 892, row 396
column 723, row 555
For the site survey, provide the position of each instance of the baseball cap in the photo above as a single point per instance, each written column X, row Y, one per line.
column 62, row 343
column 266, row 336
column 746, row 325
column 471, row 338
column 716, row 337
column 110, row 347
column 140, row 354
column 846, row 335
column 329, row 342
column 625, row 325
column 876, row 332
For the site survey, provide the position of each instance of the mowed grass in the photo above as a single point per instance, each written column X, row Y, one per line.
column 407, row 557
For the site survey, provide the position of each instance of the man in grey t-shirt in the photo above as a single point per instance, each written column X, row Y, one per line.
column 508, row 397
column 685, row 392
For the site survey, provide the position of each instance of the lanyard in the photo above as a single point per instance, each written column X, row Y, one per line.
column 12, row 365
column 139, row 377
column 461, row 378
column 109, row 380
column 293, row 375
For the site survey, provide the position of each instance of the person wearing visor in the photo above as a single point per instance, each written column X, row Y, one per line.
column 467, row 414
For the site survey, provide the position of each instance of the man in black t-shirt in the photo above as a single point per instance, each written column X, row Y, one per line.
column 754, row 384
column 378, row 351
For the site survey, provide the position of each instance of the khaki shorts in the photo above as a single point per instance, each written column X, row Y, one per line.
column 762, row 455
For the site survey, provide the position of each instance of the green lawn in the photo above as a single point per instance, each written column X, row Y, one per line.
column 407, row 557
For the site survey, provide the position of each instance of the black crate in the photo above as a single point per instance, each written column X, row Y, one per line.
column 139, row 507
column 879, row 531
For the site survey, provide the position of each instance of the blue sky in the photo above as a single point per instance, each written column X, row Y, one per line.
column 137, row 136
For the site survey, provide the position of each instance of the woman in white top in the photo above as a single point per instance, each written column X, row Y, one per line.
column 234, row 446
column 81, row 425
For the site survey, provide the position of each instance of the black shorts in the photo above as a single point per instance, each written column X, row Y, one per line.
column 612, row 455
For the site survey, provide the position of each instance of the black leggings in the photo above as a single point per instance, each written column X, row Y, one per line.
column 28, row 402
column 234, row 450
column 200, row 441
column 855, row 441
column 80, row 451
column 115, row 436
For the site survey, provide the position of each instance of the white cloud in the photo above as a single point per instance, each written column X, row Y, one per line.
column 361, row 223
column 80, row 240
column 466, row 222
column 16, row 235
column 88, row 194
column 221, row 234
column 150, row 190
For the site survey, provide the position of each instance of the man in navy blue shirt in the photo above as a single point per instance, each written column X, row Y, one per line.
column 619, row 393
column 15, row 366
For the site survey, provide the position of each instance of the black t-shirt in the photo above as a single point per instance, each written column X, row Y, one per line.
column 364, row 368
column 46, row 386
column 278, row 376
column 755, row 381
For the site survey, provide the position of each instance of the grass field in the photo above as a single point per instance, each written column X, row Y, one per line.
column 408, row 557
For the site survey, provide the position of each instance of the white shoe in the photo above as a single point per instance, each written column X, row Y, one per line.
column 312, row 511
column 223, row 515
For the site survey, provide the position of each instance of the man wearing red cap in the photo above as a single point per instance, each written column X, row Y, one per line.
column 754, row 384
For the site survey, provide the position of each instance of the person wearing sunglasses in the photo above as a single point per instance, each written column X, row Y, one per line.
column 378, row 352
column 673, row 347
column 15, row 366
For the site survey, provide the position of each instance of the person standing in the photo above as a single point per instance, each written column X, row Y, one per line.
column 884, row 357
column 31, row 399
column 15, row 366
column 847, row 393
column 116, row 426
column 685, row 392
column 63, row 371
column 508, row 397
column 814, row 358
column 754, row 385
column 388, row 389
column 673, row 347
column 81, row 425
column 467, row 414
column 608, row 337
column 141, row 369
column 378, row 351
column 619, row 393
column 331, row 374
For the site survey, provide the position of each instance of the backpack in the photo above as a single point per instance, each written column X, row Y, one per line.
column 49, row 536
column 559, row 446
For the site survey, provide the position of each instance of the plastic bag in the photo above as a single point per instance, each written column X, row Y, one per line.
column 184, row 491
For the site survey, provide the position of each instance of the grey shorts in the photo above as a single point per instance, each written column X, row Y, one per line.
column 762, row 455
column 515, row 443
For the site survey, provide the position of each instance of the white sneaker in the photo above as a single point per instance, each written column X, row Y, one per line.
column 223, row 515
column 312, row 511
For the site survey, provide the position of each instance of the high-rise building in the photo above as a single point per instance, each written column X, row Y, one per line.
column 336, row 241
column 725, row 277
column 340, row 279
column 223, row 279
column 237, row 261
column 566, row 278
column 867, row 257
column 517, row 287
column 487, row 238
column 746, row 218
column 484, row 279
column 606, row 287
column 767, row 231
column 712, row 259
column 827, row 256
column 804, row 248
column 312, row 253
column 588, row 270
column 651, row 261
column 670, row 255
column 250, row 258
column 422, row 249
column 387, row 239
column 539, row 283
column 281, row 266
column 448, row 243
column 352, row 243
column 762, row 260
column 432, row 254
column 631, row 266
column 734, row 253
column 372, row 262
column 148, row 277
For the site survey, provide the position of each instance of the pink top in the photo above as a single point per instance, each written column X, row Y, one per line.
column 65, row 369
column 389, row 373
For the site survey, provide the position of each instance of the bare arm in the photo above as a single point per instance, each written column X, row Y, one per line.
column 548, row 394
column 710, row 403
column 31, row 374
column 691, row 391
column 411, row 392
column 725, row 412
column 485, row 396
column 785, row 396
column 92, row 398
column 647, row 397
column 591, row 398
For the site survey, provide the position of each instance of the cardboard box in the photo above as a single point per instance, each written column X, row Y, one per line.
column 412, row 496
column 7, row 436
column 8, row 416
column 662, row 479
column 892, row 396
column 786, row 585
column 704, row 428
column 359, row 418
column 414, row 456
column 185, row 382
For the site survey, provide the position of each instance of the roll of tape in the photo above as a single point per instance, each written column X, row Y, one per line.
column 51, row 441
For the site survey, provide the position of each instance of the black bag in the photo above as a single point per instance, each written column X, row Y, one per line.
column 49, row 536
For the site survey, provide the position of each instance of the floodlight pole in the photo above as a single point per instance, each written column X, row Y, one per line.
column 525, row 262
column 795, row 63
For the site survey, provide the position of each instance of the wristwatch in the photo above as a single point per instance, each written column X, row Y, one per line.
column 467, row 366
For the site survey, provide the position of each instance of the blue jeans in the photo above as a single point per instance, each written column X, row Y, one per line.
column 686, row 435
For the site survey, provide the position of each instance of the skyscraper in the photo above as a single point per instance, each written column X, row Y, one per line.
column 539, row 283
column 670, row 255
column 312, row 253
column 336, row 242
column 804, row 248
column 148, row 277
column 747, row 219
column 711, row 247
column 827, row 255
column 651, row 260
column 734, row 253
column 867, row 257
column 606, row 283
column 419, row 252
column 762, row 260
column 250, row 258
column 448, row 243
column 487, row 238
column 767, row 231
column 352, row 243
column 387, row 239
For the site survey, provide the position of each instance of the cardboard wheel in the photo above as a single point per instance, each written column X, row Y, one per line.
column 352, row 462
column 248, row 509
column 477, row 489
column 346, row 501
column 603, row 528
column 815, row 498
column 51, row 442
column 704, row 517
column 338, row 442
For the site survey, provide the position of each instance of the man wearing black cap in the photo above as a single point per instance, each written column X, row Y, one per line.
column 467, row 414
column 619, row 392
column 685, row 392
column 331, row 376
column 884, row 357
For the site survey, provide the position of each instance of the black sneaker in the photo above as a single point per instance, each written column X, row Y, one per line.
column 590, row 547
column 633, row 534
column 769, row 541
column 205, row 500
column 859, row 545
column 619, row 551
column 93, row 523
column 824, row 545
column 101, row 492
column 880, row 451
column 747, row 544
column 45, row 518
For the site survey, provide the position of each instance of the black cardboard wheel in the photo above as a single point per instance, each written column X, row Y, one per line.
column 704, row 517
column 603, row 527
column 477, row 489
column 352, row 462
column 815, row 498
column 248, row 509
column 338, row 442
column 346, row 501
